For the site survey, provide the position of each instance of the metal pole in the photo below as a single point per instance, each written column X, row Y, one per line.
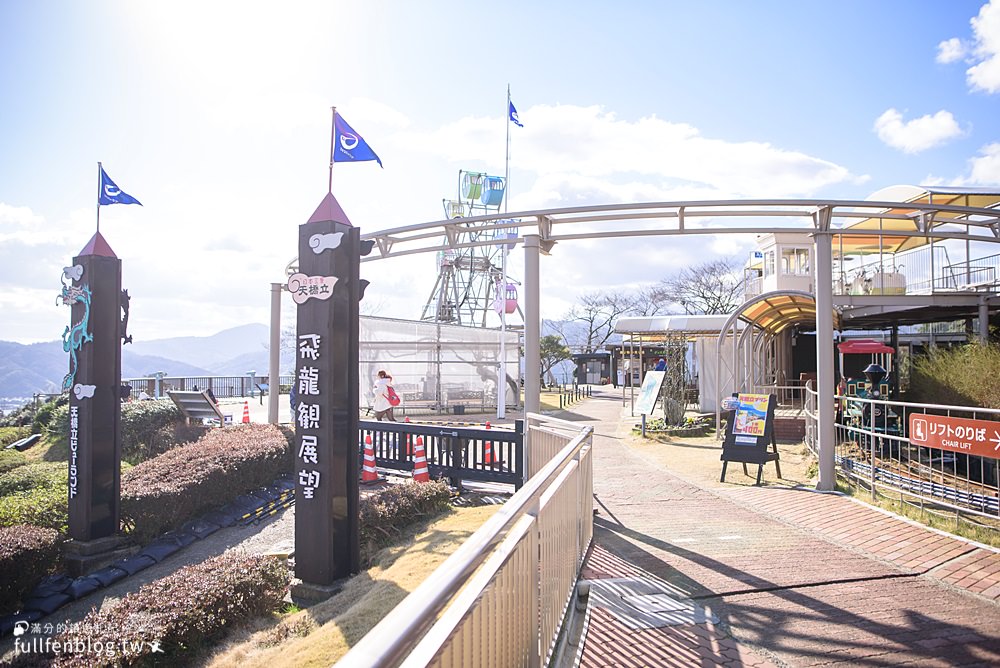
column 274, row 357
column 984, row 320
column 333, row 139
column 506, row 173
column 532, row 325
column 502, row 380
column 502, row 375
column 99, row 193
column 825, row 380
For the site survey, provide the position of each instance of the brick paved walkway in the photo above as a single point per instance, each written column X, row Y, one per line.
column 685, row 576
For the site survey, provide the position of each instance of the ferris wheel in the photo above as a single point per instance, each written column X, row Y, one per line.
column 470, row 283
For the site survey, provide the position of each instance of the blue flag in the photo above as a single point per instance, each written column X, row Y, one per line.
column 348, row 146
column 109, row 193
column 513, row 114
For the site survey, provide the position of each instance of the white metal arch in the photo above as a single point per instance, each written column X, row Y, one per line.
column 739, row 343
column 540, row 230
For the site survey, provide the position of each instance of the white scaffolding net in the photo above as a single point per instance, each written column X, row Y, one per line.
column 437, row 366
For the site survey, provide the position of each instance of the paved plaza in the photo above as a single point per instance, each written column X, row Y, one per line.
column 688, row 574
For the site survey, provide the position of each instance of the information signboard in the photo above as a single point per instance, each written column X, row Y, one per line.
column 971, row 437
column 649, row 392
column 749, row 431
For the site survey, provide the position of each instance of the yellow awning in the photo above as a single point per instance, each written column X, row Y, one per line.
column 776, row 312
column 863, row 244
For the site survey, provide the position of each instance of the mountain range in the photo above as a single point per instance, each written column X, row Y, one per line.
column 40, row 367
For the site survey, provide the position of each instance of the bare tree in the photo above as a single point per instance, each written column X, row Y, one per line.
column 594, row 317
column 711, row 287
column 651, row 300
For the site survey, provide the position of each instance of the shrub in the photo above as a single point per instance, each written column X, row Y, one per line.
column 19, row 418
column 182, row 611
column 966, row 375
column 42, row 506
column 11, row 459
column 34, row 475
column 149, row 428
column 164, row 492
column 10, row 434
column 44, row 413
column 27, row 554
column 388, row 511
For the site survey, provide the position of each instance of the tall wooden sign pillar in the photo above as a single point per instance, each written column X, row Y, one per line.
column 92, row 287
column 326, row 289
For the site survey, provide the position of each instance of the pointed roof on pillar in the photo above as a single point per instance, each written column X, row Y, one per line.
column 329, row 210
column 97, row 246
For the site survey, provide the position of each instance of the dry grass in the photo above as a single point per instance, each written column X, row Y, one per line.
column 322, row 634
column 697, row 460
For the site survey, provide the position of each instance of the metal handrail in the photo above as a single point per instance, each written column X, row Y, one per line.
column 884, row 472
column 391, row 640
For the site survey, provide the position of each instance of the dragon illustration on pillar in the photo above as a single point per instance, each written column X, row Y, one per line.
column 76, row 335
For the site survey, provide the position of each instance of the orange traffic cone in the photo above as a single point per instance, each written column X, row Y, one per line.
column 420, row 473
column 368, row 472
column 488, row 457
column 409, row 440
column 246, row 412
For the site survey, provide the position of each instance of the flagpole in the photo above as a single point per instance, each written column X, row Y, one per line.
column 506, row 174
column 502, row 296
column 98, row 197
column 333, row 136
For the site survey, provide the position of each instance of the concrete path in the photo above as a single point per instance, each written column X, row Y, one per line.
column 682, row 575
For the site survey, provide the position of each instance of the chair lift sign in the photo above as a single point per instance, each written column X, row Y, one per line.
column 971, row 437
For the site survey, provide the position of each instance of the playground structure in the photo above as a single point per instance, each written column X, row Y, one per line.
column 471, row 280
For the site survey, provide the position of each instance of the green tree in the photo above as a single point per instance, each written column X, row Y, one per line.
column 553, row 351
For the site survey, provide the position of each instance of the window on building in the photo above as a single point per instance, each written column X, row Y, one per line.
column 795, row 261
column 769, row 263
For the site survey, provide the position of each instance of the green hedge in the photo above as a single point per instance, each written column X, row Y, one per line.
column 183, row 611
column 149, row 428
column 27, row 554
column 10, row 434
column 11, row 459
column 42, row 506
column 164, row 492
column 34, row 475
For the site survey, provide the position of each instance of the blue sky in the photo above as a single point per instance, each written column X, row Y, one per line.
column 217, row 117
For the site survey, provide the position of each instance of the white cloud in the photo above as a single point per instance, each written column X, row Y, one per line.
column 20, row 223
column 985, row 74
column 983, row 52
column 985, row 169
column 950, row 50
column 918, row 134
column 596, row 149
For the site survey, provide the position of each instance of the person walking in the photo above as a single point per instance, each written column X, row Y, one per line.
column 383, row 391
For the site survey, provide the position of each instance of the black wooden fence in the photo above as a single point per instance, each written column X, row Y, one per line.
column 457, row 453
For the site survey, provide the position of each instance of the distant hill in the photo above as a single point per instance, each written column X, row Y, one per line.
column 40, row 367
column 210, row 352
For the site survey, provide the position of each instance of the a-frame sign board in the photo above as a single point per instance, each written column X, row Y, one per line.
column 749, row 430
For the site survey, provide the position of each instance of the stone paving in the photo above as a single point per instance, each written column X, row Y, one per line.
column 681, row 575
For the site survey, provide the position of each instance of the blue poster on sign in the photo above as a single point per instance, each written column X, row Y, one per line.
column 649, row 392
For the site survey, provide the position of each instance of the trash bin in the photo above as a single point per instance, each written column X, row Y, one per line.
column 459, row 409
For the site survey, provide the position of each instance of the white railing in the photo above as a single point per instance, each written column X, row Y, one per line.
column 499, row 600
column 789, row 396
column 879, row 456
